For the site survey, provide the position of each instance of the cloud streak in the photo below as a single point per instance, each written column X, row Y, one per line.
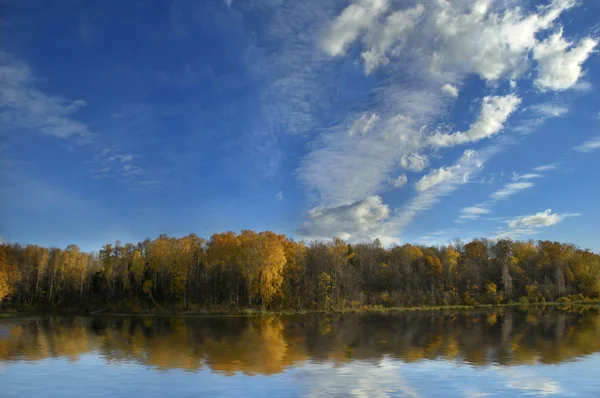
column 543, row 219
column 26, row 107
column 590, row 145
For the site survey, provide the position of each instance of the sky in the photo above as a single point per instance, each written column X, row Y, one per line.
column 407, row 121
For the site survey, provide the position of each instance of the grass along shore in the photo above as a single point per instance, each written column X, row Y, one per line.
column 260, row 312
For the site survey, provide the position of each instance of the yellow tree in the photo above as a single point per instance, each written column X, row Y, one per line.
column 250, row 261
column 273, row 262
column 189, row 253
column 450, row 259
column 339, row 256
column 223, row 251
column 294, row 270
column 162, row 259
column 434, row 271
column 107, row 263
column 81, row 270
column 42, row 258
column 137, row 266
column 69, row 268
column 9, row 275
column 262, row 260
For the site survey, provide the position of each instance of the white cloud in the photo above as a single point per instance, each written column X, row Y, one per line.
column 546, row 167
column 473, row 212
column 450, row 90
column 279, row 196
column 458, row 174
column 364, row 124
column 450, row 37
column 414, row 162
column 350, row 23
column 112, row 163
column 24, row 106
column 383, row 40
column 346, row 168
column 228, row 3
column 527, row 176
column 516, row 233
column 550, row 109
column 542, row 219
column 494, row 112
column 489, row 43
column 589, row 146
column 434, row 178
column 415, row 50
column 359, row 221
column 539, row 113
column 399, row 181
column 510, row 189
column 559, row 61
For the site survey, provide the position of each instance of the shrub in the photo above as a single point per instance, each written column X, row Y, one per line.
column 524, row 301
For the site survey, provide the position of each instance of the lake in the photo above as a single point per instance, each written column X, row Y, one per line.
column 480, row 353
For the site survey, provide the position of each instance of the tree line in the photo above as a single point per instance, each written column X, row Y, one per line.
column 266, row 270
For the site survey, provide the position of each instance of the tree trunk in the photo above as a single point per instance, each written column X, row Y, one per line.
column 507, row 281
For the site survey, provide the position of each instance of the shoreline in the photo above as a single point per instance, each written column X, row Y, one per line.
column 258, row 312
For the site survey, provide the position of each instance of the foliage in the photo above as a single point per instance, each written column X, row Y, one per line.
column 268, row 271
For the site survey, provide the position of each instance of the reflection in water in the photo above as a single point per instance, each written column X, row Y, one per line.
column 269, row 345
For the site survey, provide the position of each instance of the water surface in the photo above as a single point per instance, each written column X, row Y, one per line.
column 540, row 352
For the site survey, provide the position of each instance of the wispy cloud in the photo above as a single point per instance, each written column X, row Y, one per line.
column 543, row 219
column 589, row 146
column 549, row 109
column 510, row 189
column 473, row 212
column 526, row 176
column 516, row 233
column 521, row 182
column 455, row 176
column 529, row 225
column 26, row 107
column 546, row 167
column 538, row 114
column 111, row 162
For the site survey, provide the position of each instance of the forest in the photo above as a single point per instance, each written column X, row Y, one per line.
column 268, row 271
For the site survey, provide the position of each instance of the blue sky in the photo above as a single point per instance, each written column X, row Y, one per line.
column 409, row 120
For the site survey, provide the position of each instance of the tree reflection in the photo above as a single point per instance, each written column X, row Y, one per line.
column 270, row 344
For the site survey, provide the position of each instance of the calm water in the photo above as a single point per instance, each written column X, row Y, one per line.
column 452, row 354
